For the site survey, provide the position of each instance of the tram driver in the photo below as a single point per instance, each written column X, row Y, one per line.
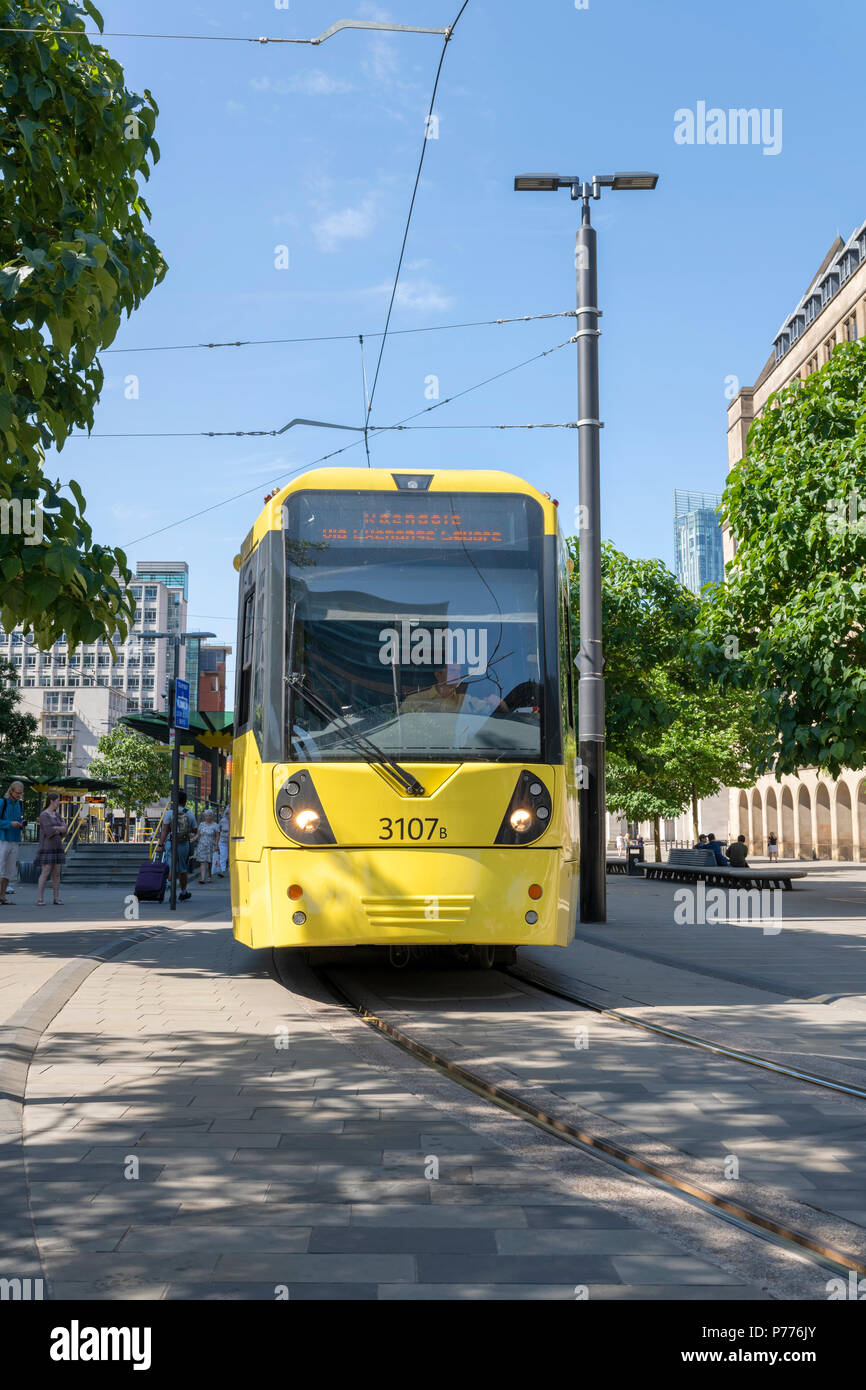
column 448, row 696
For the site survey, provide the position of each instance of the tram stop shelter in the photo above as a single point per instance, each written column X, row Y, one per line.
column 205, row 749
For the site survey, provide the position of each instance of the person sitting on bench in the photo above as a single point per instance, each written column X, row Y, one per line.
column 737, row 853
column 716, row 850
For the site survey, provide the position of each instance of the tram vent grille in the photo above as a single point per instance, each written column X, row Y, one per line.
column 418, row 910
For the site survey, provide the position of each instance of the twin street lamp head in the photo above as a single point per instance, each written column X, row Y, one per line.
column 549, row 183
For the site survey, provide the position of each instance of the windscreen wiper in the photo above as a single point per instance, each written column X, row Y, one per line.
column 372, row 753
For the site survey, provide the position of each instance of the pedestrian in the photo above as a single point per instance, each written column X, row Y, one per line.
column 619, row 843
column 186, row 830
column 701, row 842
column 737, row 853
column 49, row 856
column 118, row 824
column 221, row 858
column 12, row 825
column 640, row 849
column 772, row 845
column 208, row 840
column 715, row 848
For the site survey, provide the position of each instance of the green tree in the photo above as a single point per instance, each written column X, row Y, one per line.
column 789, row 621
column 141, row 766
column 673, row 735
column 74, row 256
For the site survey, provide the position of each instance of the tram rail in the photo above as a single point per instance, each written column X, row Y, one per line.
column 736, row 1213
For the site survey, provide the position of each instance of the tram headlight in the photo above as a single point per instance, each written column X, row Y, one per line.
column 300, row 814
column 528, row 813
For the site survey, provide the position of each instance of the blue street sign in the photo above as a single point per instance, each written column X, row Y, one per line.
column 181, row 704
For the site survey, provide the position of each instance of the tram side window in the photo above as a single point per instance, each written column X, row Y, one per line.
column 247, row 651
column 259, row 658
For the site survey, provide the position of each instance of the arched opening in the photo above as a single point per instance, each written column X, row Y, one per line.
column 757, row 844
column 844, row 827
column 861, row 819
column 744, row 815
column 771, row 812
column 786, row 848
column 804, row 820
column 824, row 846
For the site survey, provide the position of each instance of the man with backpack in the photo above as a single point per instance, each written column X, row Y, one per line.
column 11, row 829
column 187, row 830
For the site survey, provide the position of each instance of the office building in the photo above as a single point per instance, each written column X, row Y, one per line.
column 78, row 696
column 697, row 539
column 813, row 817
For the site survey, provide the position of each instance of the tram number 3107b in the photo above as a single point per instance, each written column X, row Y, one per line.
column 414, row 829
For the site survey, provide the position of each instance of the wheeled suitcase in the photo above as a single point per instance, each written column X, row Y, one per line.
column 151, row 881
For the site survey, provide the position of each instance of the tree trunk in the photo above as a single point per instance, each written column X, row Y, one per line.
column 695, row 810
column 657, row 838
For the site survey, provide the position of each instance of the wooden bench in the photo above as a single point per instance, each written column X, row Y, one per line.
column 687, row 865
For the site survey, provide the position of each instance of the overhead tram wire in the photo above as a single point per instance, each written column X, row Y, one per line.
column 344, row 337
column 448, row 37
column 292, row 473
column 373, row 429
column 41, row 29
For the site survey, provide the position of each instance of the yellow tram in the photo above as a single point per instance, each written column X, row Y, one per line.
column 404, row 752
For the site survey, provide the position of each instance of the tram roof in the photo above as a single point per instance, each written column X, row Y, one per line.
column 385, row 480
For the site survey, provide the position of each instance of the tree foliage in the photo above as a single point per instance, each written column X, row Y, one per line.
column 673, row 735
column 74, row 256
column 789, row 621
column 139, row 764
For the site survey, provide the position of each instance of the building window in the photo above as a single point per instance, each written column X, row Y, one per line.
column 147, row 682
column 51, row 701
column 104, row 660
column 147, row 703
column 90, row 661
column 16, row 661
column 132, row 683
column 150, row 615
column 60, row 661
column 17, row 639
column 67, row 702
column 29, row 680
column 75, row 661
column 136, row 591
column 150, row 593
column 829, row 346
column 851, row 328
column 74, row 680
column 102, row 680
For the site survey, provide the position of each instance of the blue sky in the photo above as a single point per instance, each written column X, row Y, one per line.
column 316, row 149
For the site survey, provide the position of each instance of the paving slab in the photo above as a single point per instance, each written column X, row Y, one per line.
column 316, row 1181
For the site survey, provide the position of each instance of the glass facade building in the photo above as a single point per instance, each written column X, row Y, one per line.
column 697, row 539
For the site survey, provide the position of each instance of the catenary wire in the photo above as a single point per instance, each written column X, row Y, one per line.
column 342, row 337
column 424, row 144
column 193, row 516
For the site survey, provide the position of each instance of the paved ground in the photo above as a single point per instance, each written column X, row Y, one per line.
column 192, row 1128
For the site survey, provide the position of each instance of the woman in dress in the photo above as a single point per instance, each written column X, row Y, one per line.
column 206, row 843
column 49, row 856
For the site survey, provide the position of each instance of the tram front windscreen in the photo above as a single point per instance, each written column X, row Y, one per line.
column 417, row 620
